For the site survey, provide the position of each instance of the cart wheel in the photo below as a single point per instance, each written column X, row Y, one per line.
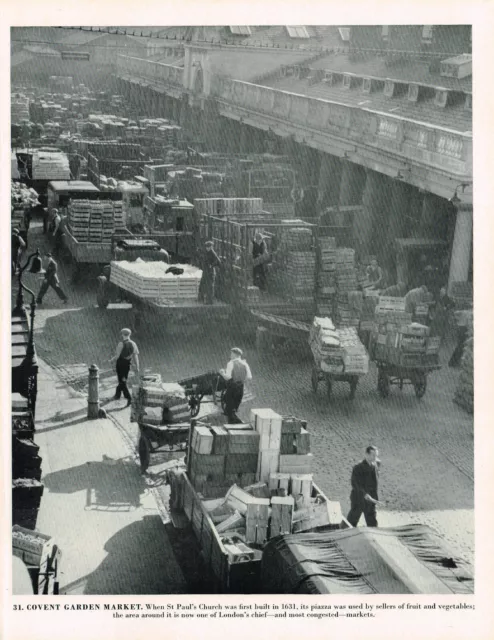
column 353, row 388
column 102, row 297
column 144, row 448
column 383, row 383
column 420, row 386
column 329, row 385
column 314, row 379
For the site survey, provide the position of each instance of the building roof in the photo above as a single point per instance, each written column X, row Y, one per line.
column 453, row 117
column 249, row 65
column 405, row 70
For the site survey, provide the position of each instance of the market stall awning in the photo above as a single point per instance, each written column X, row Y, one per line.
column 407, row 560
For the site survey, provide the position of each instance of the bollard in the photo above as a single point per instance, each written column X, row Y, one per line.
column 93, row 393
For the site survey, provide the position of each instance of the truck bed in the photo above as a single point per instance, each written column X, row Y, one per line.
column 89, row 252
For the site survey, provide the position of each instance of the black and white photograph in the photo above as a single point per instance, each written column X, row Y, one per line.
column 242, row 315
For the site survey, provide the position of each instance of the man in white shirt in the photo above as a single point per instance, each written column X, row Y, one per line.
column 237, row 373
column 126, row 353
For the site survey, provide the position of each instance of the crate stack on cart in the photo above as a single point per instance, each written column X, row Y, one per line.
column 94, row 221
column 254, row 482
column 150, row 280
column 399, row 341
column 298, row 265
column 337, row 350
column 326, row 276
column 157, row 403
column 238, row 208
column 348, row 298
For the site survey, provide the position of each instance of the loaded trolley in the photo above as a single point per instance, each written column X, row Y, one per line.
column 207, row 387
column 401, row 368
column 322, row 375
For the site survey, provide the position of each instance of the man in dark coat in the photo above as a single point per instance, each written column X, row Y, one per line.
column 259, row 255
column 363, row 497
column 51, row 280
column 210, row 263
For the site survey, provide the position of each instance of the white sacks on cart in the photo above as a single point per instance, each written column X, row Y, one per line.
column 337, row 350
column 149, row 280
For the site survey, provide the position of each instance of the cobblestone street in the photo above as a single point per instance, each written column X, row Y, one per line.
column 426, row 446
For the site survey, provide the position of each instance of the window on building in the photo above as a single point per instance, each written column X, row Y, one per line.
column 298, row 32
column 427, row 33
column 385, row 32
column 240, row 31
column 344, row 33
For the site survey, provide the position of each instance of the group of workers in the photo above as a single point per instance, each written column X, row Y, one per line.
column 211, row 262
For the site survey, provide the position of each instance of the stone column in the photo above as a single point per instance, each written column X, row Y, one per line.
column 352, row 184
column 371, row 224
column 398, row 212
column 329, row 181
column 462, row 245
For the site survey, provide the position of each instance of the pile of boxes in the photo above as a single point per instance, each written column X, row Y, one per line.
column 256, row 479
column 19, row 108
column 157, row 403
column 228, row 206
column 398, row 340
column 337, row 351
column 300, row 267
column 326, row 276
column 94, row 220
column 346, row 313
column 27, row 488
column 50, row 166
column 151, row 281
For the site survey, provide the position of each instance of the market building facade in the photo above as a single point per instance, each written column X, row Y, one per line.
column 381, row 121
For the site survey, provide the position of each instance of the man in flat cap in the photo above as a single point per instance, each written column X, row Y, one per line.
column 125, row 354
column 237, row 373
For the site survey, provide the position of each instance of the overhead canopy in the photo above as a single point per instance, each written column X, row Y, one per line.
column 406, row 560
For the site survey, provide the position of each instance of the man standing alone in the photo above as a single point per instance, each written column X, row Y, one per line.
column 126, row 353
column 363, row 497
column 237, row 374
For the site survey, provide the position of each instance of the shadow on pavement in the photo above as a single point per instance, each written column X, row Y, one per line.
column 110, row 484
column 63, row 425
column 139, row 562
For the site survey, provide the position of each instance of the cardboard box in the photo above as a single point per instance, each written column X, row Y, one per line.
column 290, row 424
column 220, row 440
column 244, row 442
column 295, row 463
column 316, row 515
column 279, row 481
column 268, row 424
column 268, row 463
column 287, row 444
column 301, row 485
column 202, row 440
column 302, row 442
column 281, row 516
column 241, row 463
column 209, row 464
column 256, row 520
column 238, row 552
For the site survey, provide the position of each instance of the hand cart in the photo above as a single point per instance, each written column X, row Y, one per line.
column 399, row 375
column 154, row 437
column 319, row 375
column 209, row 387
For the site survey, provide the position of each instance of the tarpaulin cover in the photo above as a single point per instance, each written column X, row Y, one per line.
column 409, row 559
